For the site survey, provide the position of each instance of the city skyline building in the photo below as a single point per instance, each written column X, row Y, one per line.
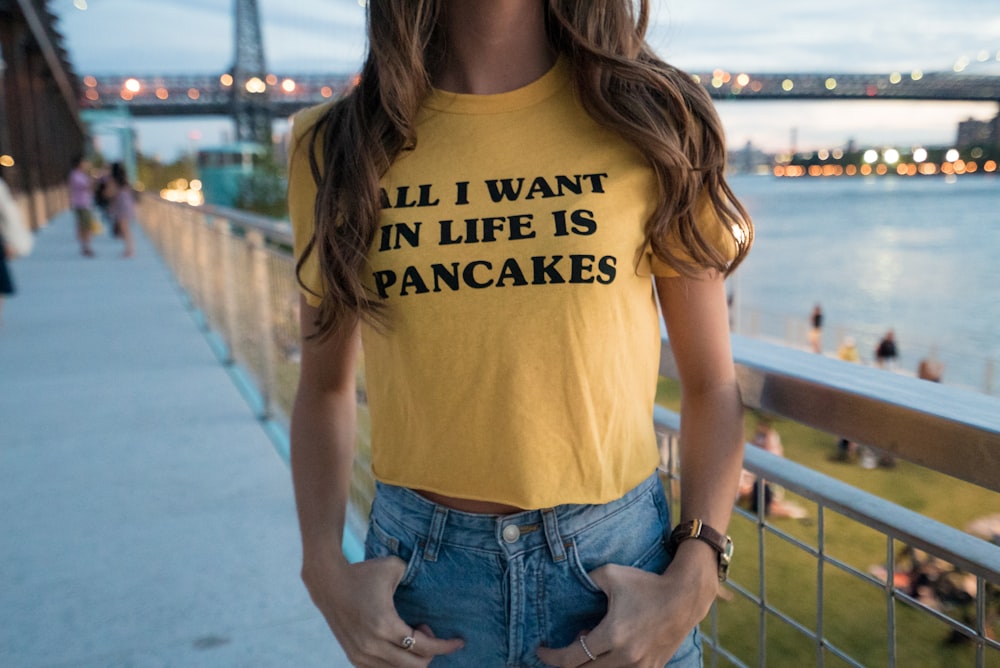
column 972, row 132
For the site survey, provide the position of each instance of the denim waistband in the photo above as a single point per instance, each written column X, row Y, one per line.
column 510, row 534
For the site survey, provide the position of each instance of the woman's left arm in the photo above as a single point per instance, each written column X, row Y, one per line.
column 650, row 615
column 696, row 313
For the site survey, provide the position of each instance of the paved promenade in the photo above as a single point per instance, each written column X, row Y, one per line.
column 145, row 517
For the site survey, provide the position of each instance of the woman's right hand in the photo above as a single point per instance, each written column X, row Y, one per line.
column 356, row 600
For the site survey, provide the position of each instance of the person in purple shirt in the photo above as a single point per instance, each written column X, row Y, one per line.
column 81, row 199
column 122, row 206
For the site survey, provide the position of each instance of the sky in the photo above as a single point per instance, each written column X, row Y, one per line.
column 145, row 37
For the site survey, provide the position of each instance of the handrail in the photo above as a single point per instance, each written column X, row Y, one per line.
column 951, row 430
column 273, row 230
column 964, row 364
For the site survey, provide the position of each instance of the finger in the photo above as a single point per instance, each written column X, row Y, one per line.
column 569, row 656
column 603, row 577
column 427, row 645
column 395, row 569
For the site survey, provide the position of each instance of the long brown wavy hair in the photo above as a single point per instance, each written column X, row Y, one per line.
column 622, row 84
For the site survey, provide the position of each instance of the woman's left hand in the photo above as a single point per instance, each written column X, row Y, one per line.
column 648, row 617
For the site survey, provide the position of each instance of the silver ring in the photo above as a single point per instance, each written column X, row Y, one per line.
column 586, row 650
column 408, row 643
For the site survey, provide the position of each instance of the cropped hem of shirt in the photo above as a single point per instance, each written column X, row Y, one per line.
column 522, row 354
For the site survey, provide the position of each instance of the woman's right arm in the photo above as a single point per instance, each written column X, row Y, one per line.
column 355, row 599
column 323, row 435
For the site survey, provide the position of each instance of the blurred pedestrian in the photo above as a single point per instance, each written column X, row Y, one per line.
column 766, row 437
column 930, row 368
column 816, row 331
column 122, row 206
column 102, row 199
column 886, row 352
column 15, row 240
column 848, row 350
column 81, row 200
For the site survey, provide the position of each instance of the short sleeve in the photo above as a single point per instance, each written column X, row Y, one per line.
column 302, row 199
column 715, row 231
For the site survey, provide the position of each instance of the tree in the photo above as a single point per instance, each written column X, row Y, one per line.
column 264, row 190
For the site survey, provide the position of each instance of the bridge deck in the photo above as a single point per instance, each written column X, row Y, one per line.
column 146, row 520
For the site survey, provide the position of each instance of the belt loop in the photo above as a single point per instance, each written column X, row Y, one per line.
column 552, row 536
column 435, row 533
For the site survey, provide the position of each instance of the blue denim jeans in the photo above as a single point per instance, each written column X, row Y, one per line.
column 508, row 584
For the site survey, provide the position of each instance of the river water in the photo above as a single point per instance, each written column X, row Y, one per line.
column 918, row 255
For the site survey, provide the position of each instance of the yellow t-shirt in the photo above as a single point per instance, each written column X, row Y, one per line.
column 521, row 361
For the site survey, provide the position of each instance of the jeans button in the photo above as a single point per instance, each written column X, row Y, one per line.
column 511, row 533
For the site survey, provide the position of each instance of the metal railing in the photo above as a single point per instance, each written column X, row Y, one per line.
column 951, row 431
column 238, row 271
column 964, row 366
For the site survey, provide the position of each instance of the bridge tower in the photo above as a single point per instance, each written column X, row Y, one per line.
column 250, row 103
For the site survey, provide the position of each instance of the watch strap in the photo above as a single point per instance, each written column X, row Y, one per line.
column 699, row 530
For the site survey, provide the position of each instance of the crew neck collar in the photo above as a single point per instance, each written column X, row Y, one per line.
column 538, row 90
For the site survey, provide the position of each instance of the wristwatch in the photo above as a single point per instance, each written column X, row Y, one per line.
column 701, row 531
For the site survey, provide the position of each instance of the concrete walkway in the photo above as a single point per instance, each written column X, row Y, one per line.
column 145, row 517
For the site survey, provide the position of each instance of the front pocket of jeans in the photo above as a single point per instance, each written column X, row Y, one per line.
column 587, row 555
column 381, row 542
column 580, row 571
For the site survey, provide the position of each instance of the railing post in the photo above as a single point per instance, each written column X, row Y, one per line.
column 981, row 625
column 161, row 213
column 988, row 376
column 203, row 254
column 229, row 319
column 152, row 217
column 175, row 242
column 185, row 268
column 890, row 598
column 761, row 574
column 820, row 562
column 212, row 285
column 202, row 288
column 262, row 293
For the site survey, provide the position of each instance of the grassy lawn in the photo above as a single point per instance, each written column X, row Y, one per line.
column 855, row 613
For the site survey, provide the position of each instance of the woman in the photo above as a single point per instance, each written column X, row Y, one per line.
column 122, row 206
column 16, row 240
column 816, row 331
column 486, row 214
column 6, row 281
column 81, row 198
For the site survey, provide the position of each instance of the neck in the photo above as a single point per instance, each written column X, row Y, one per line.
column 494, row 46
